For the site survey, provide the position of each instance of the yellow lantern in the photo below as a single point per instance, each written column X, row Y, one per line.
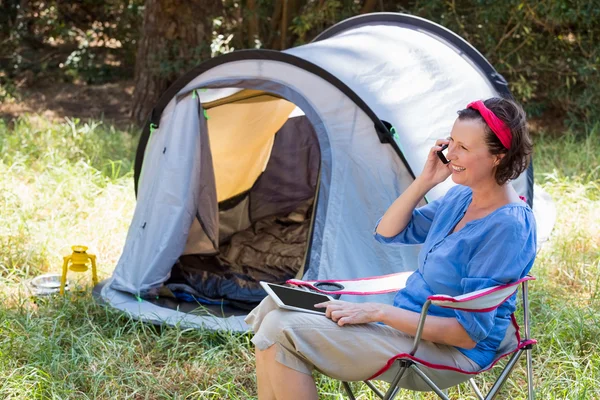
column 78, row 262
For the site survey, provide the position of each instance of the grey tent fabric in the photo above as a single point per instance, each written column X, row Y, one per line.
column 207, row 214
column 168, row 196
column 405, row 70
column 417, row 86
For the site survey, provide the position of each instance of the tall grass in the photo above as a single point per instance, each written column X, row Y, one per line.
column 70, row 183
column 61, row 184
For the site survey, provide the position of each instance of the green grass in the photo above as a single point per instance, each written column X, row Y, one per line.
column 69, row 183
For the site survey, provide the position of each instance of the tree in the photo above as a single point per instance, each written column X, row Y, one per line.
column 176, row 36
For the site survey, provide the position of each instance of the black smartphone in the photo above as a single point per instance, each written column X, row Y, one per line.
column 442, row 154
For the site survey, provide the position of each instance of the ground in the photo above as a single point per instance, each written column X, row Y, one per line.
column 109, row 102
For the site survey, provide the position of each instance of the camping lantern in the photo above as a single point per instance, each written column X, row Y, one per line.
column 78, row 262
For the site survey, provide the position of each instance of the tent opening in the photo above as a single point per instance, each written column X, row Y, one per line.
column 266, row 162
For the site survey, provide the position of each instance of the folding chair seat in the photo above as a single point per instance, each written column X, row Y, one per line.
column 405, row 371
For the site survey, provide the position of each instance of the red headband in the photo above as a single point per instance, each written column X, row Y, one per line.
column 496, row 124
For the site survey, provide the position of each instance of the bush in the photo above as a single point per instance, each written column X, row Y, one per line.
column 86, row 40
column 548, row 51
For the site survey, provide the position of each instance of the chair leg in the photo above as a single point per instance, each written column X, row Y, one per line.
column 530, row 375
column 348, row 390
column 374, row 389
column 393, row 390
column 525, row 296
column 476, row 389
column 432, row 385
column 504, row 375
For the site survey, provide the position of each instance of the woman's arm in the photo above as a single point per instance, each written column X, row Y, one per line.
column 440, row 330
column 399, row 213
column 436, row 329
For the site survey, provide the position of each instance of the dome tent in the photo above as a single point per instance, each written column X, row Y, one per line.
column 337, row 128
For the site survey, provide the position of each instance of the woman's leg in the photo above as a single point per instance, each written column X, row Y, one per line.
column 265, row 390
column 276, row 381
column 291, row 344
column 303, row 342
column 283, row 382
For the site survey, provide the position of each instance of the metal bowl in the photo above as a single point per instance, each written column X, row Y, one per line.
column 46, row 284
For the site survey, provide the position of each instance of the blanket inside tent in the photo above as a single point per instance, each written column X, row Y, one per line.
column 271, row 250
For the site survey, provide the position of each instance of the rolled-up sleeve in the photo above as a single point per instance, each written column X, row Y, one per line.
column 505, row 255
column 417, row 228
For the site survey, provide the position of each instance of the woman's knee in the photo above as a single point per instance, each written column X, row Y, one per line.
column 273, row 323
column 257, row 315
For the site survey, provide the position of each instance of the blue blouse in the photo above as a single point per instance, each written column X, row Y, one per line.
column 494, row 250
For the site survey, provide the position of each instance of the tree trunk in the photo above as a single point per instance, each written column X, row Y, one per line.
column 176, row 36
column 274, row 40
column 368, row 6
column 284, row 25
column 252, row 23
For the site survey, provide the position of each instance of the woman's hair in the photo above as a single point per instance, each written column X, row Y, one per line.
column 518, row 157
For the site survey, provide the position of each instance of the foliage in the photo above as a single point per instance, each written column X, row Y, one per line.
column 38, row 144
column 69, row 178
column 74, row 349
column 549, row 51
column 88, row 40
column 318, row 16
column 8, row 91
column 56, row 189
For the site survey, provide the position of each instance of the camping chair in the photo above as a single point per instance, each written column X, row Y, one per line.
column 405, row 371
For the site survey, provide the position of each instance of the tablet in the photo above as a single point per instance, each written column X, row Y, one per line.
column 295, row 299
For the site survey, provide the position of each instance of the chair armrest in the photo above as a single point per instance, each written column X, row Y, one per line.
column 360, row 286
column 481, row 300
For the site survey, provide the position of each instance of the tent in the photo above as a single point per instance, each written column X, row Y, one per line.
column 272, row 165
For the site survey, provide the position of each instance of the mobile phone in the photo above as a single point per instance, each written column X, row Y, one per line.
column 442, row 154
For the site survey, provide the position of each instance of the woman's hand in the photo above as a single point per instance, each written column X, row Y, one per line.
column 399, row 214
column 345, row 313
column 435, row 171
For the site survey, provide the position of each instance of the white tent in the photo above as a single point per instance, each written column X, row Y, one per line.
column 311, row 145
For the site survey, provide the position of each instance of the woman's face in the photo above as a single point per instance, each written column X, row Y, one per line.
column 470, row 160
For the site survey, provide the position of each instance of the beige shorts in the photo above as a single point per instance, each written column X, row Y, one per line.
column 351, row 353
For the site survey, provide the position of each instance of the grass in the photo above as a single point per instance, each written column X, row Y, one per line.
column 68, row 183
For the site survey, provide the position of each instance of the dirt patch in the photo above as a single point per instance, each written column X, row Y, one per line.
column 549, row 124
column 110, row 102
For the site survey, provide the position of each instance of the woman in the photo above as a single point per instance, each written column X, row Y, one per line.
column 480, row 234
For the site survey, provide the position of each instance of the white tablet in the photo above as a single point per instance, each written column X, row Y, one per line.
column 295, row 299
